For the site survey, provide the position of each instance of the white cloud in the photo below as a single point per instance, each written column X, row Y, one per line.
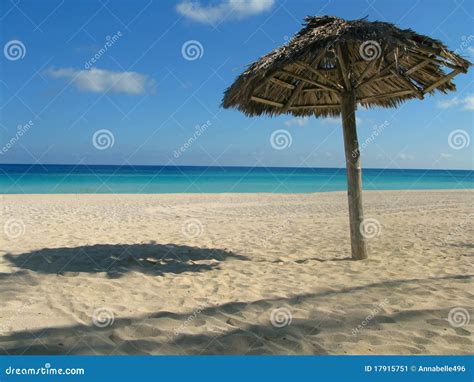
column 404, row 156
column 297, row 122
column 446, row 156
column 446, row 104
column 226, row 9
column 331, row 121
column 100, row 80
column 337, row 121
column 467, row 103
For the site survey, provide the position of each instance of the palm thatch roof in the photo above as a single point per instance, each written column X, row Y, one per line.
column 383, row 64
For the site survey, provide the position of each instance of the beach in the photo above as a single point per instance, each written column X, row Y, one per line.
column 235, row 274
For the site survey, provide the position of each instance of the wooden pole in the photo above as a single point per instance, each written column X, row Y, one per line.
column 354, row 174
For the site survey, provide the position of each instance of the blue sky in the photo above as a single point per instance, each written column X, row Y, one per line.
column 164, row 71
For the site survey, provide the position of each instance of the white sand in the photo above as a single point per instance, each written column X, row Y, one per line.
column 172, row 293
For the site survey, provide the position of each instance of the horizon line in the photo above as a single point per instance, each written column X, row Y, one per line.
column 226, row 166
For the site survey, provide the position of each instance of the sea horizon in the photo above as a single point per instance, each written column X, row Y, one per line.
column 166, row 179
column 229, row 166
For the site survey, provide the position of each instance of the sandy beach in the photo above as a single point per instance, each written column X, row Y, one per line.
column 235, row 274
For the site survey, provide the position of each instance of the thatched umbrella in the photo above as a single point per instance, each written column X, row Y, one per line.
column 332, row 65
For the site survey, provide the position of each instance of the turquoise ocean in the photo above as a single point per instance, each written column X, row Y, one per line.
column 82, row 179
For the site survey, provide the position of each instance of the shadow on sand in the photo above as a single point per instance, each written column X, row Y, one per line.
column 116, row 260
column 164, row 332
